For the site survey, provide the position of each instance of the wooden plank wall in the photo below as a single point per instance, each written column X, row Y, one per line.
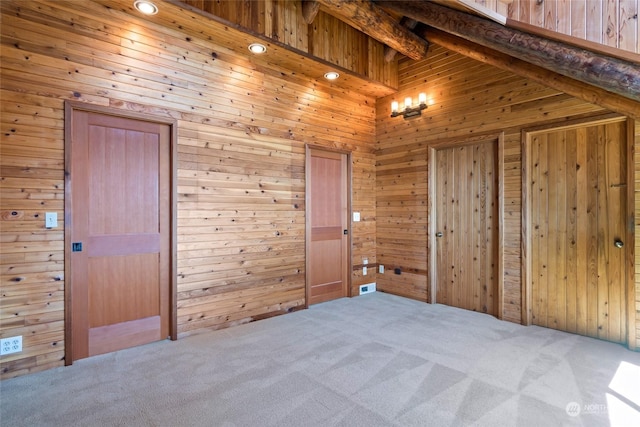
column 242, row 130
column 636, row 162
column 466, row 98
column 612, row 23
column 327, row 37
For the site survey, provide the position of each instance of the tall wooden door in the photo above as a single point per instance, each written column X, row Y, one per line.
column 466, row 227
column 327, row 226
column 577, row 228
column 120, row 195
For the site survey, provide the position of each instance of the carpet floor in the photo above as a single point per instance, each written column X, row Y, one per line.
column 375, row 360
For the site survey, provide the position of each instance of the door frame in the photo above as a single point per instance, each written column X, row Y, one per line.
column 495, row 138
column 527, row 167
column 307, row 216
column 69, row 108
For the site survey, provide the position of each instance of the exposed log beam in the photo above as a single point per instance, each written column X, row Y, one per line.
column 389, row 52
column 376, row 23
column 310, row 10
column 608, row 73
column 541, row 75
column 574, row 41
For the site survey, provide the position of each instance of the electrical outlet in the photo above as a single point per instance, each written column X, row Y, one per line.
column 11, row 345
column 368, row 288
column 381, row 269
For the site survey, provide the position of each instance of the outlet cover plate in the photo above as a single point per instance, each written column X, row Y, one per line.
column 11, row 345
column 368, row 288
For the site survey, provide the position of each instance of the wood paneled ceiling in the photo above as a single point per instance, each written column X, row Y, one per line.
column 607, row 72
column 603, row 76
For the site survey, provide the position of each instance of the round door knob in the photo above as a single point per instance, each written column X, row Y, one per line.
column 439, row 234
column 619, row 244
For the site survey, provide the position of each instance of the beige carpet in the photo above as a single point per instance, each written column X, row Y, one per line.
column 375, row 360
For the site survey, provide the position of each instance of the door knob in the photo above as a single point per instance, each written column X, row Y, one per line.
column 439, row 234
column 618, row 244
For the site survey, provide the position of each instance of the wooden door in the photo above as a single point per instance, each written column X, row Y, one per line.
column 466, row 227
column 119, row 232
column 576, row 216
column 327, row 230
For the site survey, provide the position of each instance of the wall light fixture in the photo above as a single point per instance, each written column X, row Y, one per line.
column 409, row 110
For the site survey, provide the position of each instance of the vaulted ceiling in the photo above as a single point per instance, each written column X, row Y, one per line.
column 609, row 72
column 589, row 71
column 583, row 69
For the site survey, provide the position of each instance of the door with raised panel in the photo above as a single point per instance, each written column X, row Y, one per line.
column 119, row 212
column 327, row 226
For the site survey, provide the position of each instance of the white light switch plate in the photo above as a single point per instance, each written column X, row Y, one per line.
column 51, row 219
column 356, row 216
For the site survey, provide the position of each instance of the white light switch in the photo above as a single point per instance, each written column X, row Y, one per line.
column 356, row 216
column 51, row 219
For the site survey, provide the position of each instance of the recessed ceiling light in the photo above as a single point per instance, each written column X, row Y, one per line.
column 331, row 75
column 146, row 7
column 257, row 48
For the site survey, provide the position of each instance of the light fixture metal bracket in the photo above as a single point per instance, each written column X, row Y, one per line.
column 409, row 112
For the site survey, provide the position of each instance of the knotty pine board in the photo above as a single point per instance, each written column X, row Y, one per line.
column 610, row 23
column 637, row 236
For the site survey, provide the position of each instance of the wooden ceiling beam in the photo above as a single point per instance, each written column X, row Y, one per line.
column 389, row 52
column 606, row 72
column 377, row 24
column 541, row 75
column 310, row 10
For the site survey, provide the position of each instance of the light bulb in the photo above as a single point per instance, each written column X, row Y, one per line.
column 257, row 48
column 146, row 7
